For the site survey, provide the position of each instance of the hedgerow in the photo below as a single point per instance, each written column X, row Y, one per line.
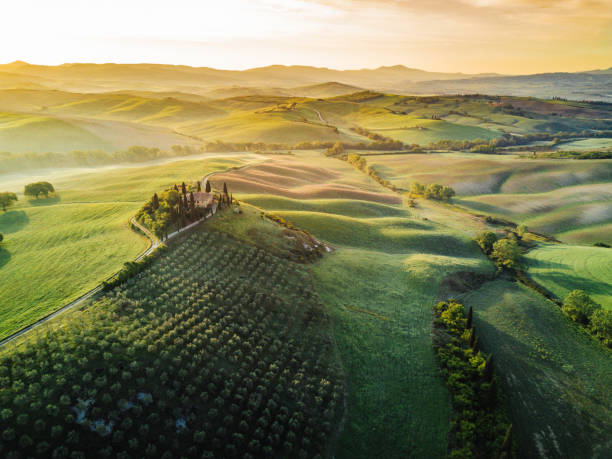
column 481, row 428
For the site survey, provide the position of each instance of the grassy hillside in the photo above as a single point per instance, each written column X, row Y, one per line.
column 271, row 115
column 25, row 133
column 67, row 244
column 563, row 268
column 379, row 284
column 556, row 376
column 569, row 199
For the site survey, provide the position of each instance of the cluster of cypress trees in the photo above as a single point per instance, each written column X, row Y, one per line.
column 481, row 428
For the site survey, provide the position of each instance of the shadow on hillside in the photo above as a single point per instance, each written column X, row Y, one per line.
column 5, row 256
column 532, row 377
column 45, row 201
column 13, row 221
column 536, row 263
column 571, row 282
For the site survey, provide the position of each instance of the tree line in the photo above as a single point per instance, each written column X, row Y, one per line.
column 481, row 428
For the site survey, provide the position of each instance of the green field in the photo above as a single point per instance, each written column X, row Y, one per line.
column 66, row 245
column 556, row 376
column 563, row 268
column 586, row 144
column 379, row 284
column 39, row 120
column 571, row 200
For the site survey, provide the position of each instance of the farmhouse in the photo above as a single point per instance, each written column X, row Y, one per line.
column 202, row 199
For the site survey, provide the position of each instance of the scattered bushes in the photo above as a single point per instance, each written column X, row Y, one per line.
column 481, row 427
column 432, row 191
column 602, row 244
column 361, row 163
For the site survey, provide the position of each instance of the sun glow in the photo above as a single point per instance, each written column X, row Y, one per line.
column 516, row 36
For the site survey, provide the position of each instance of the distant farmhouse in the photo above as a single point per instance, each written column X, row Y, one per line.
column 202, row 199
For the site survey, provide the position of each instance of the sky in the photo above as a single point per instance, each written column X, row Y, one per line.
column 470, row 36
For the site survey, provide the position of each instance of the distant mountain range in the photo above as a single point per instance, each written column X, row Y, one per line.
column 298, row 80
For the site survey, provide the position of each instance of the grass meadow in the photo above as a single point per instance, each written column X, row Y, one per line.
column 571, row 200
column 557, row 377
column 67, row 244
column 379, row 285
column 563, row 268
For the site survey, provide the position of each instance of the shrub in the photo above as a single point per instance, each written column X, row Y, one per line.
column 485, row 240
column 506, row 253
column 601, row 325
column 579, row 306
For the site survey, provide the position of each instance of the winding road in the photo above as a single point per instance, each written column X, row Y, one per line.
column 155, row 243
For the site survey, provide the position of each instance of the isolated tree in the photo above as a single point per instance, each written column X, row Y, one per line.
column 207, row 186
column 486, row 240
column 225, row 188
column 6, row 199
column 521, row 230
column 155, row 202
column 506, row 253
column 37, row 189
column 579, row 306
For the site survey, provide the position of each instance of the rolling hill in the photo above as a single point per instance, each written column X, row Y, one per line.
column 156, row 77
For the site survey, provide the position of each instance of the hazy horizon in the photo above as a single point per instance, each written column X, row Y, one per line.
column 467, row 36
column 339, row 69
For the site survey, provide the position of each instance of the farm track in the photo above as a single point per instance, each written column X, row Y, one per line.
column 155, row 243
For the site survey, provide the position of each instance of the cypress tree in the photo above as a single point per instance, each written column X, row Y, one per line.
column 199, row 186
column 155, row 202
column 183, row 188
column 488, row 372
column 472, row 337
column 185, row 203
column 475, row 345
column 469, row 319
column 225, row 188
column 175, row 188
column 192, row 200
column 207, row 186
